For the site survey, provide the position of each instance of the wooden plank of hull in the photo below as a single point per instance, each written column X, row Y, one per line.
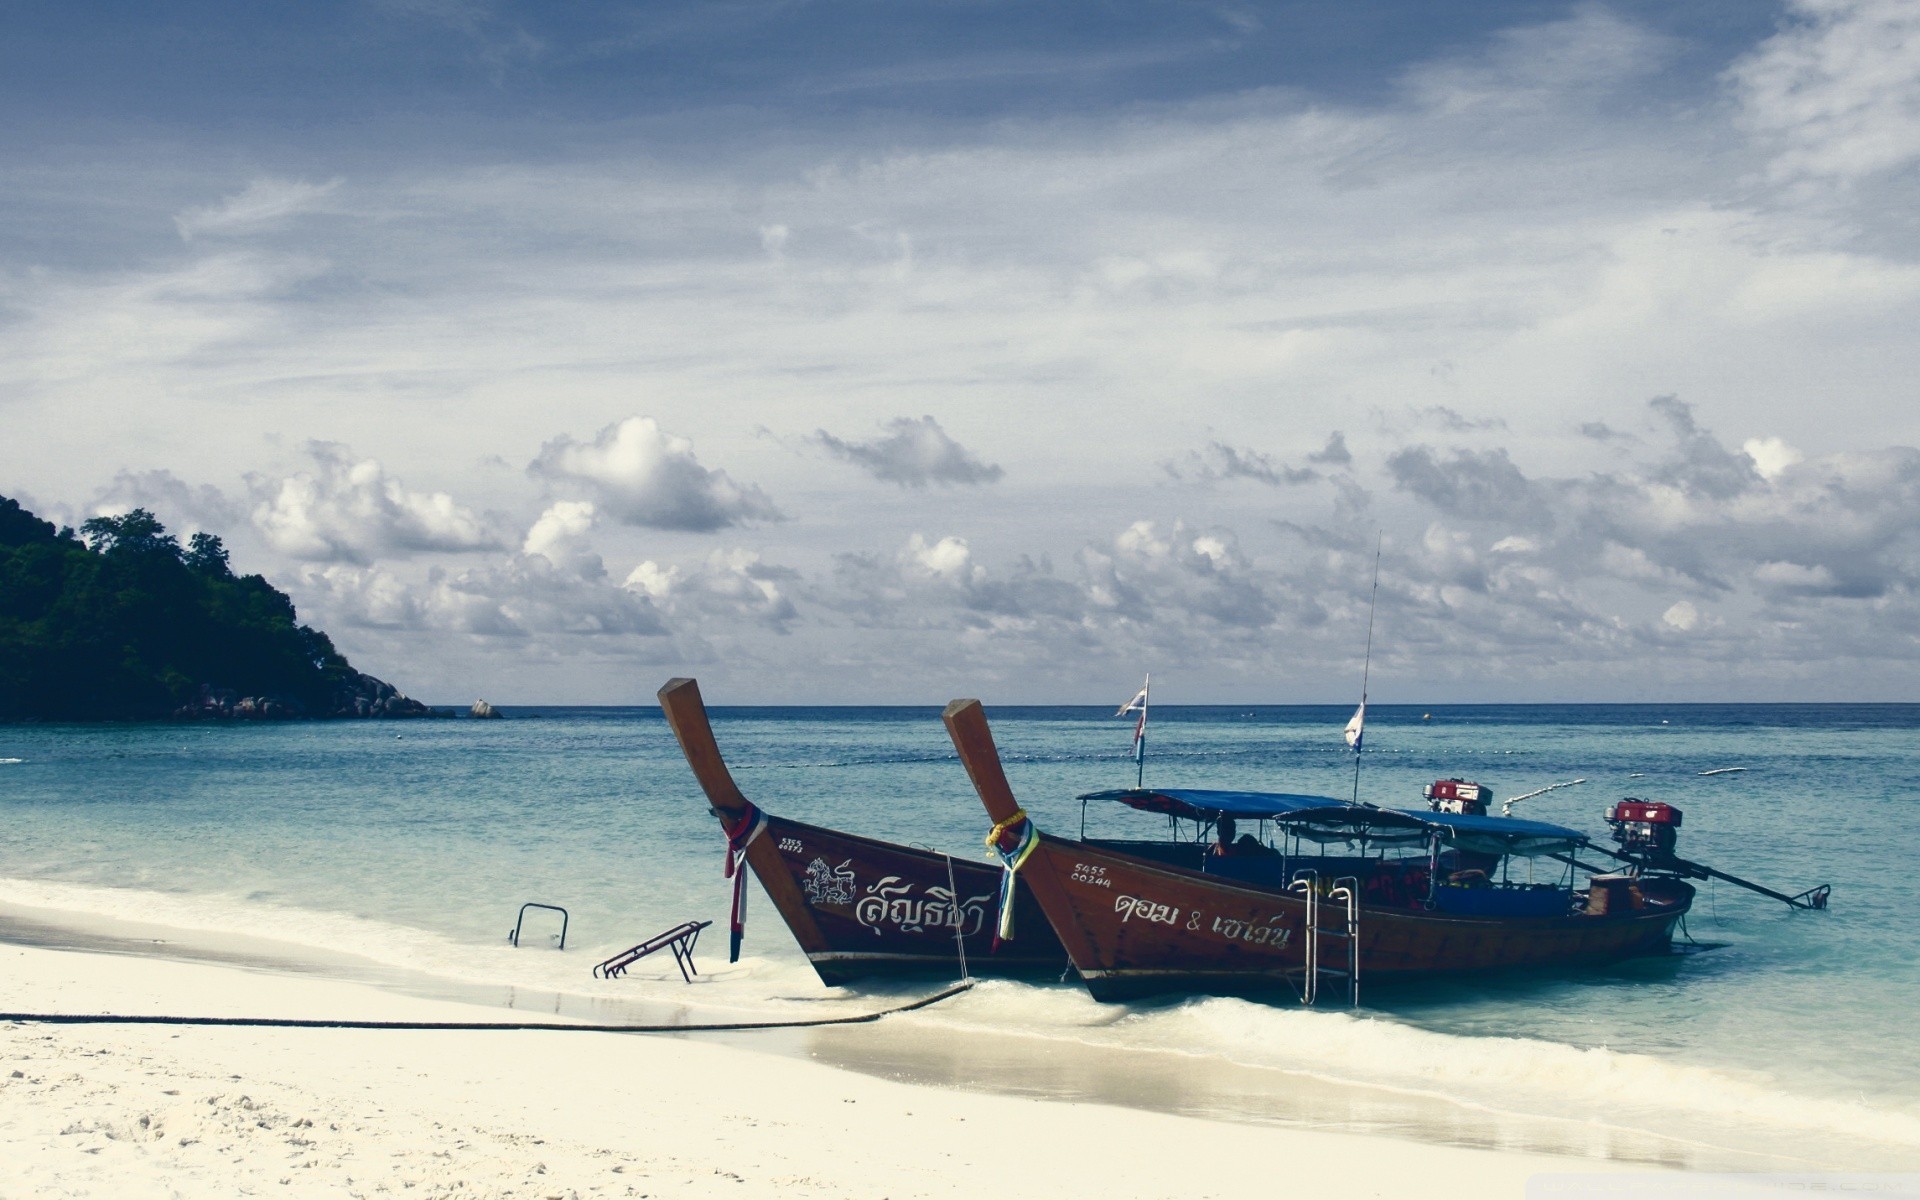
column 893, row 884
column 1132, row 927
column 883, row 909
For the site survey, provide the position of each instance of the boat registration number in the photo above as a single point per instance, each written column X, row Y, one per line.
column 1091, row 875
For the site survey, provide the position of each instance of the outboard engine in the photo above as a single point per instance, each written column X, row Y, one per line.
column 1647, row 826
column 1458, row 796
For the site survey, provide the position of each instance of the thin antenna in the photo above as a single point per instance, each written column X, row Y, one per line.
column 1366, row 669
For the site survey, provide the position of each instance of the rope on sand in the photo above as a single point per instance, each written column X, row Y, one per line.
column 463, row 1026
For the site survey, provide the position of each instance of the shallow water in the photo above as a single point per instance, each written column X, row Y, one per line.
column 410, row 847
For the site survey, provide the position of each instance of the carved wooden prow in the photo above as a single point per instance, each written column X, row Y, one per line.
column 966, row 724
column 686, row 714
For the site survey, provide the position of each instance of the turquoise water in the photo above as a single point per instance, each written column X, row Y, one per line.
column 414, row 844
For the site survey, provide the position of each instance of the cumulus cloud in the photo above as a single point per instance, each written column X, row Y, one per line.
column 1682, row 616
column 642, row 475
column 264, row 204
column 1697, row 512
column 183, row 507
column 560, row 537
column 1479, row 484
column 1835, row 94
column 527, row 595
column 365, row 597
column 914, row 452
column 730, row 584
column 521, row 597
column 1176, row 583
column 1771, row 456
column 349, row 509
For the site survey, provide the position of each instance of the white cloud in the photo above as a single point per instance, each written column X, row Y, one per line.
column 1771, row 456
column 949, row 558
column 644, row 476
column 349, row 509
column 560, row 536
column 912, row 453
column 371, row 597
column 264, row 204
column 1836, row 93
column 184, row 508
column 527, row 596
column 1682, row 616
column 729, row 585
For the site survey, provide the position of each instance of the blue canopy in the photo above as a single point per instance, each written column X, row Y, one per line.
column 1499, row 835
column 1204, row 804
column 1324, row 818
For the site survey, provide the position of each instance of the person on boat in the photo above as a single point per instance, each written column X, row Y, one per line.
column 1227, row 846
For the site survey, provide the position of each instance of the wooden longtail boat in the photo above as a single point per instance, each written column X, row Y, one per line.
column 1144, row 917
column 859, row 907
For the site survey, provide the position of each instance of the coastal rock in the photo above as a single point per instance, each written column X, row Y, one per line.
column 223, row 704
column 360, row 695
column 487, row 711
column 356, row 696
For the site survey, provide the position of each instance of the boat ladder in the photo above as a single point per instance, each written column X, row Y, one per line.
column 680, row 939
column 1344, row 890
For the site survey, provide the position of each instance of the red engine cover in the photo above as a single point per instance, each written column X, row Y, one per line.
column 1650, row 812
column 1458, row 789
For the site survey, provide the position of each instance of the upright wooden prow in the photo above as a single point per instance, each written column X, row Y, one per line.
column 966, row 723
column 686, row 714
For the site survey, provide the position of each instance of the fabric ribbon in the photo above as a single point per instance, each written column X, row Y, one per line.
column 1013, row 840
column 740, row 834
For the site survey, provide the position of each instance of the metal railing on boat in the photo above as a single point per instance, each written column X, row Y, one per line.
column 1345, row 889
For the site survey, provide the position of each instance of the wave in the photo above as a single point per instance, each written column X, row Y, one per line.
column 250, row 928
column 8, row 762
column 1506, row 1076
column 1502, row 1079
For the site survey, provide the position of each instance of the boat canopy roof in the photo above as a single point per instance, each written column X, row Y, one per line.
column 1205, row 804
column 1325, row 819
column 1500, row 835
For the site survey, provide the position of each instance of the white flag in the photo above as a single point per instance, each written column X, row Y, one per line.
column 1357, row 728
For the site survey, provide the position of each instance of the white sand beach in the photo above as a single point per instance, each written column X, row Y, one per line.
column 142, row 1110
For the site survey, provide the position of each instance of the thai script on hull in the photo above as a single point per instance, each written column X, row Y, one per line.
column 892, row 902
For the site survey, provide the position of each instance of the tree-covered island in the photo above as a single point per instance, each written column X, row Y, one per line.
column 120, row 622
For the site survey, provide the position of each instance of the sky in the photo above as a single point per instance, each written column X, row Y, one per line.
column 886, row 353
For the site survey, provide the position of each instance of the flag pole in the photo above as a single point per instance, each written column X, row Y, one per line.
column 1140, row 739
column 1366, row 669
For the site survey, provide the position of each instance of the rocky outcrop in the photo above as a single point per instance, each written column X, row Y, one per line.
column 486, row 711
column 356, row 696
column 223, row 704
column 361, row 695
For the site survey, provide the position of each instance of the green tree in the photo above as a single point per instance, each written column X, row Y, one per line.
column 124, row 624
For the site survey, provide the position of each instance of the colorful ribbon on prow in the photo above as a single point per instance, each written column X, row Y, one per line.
column 740, row 835
column 1013, row 840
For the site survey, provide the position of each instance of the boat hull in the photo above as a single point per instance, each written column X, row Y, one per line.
column 1133, row 927
column 867, row 909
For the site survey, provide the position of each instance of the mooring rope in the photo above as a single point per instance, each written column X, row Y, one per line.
column 31, row 1018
